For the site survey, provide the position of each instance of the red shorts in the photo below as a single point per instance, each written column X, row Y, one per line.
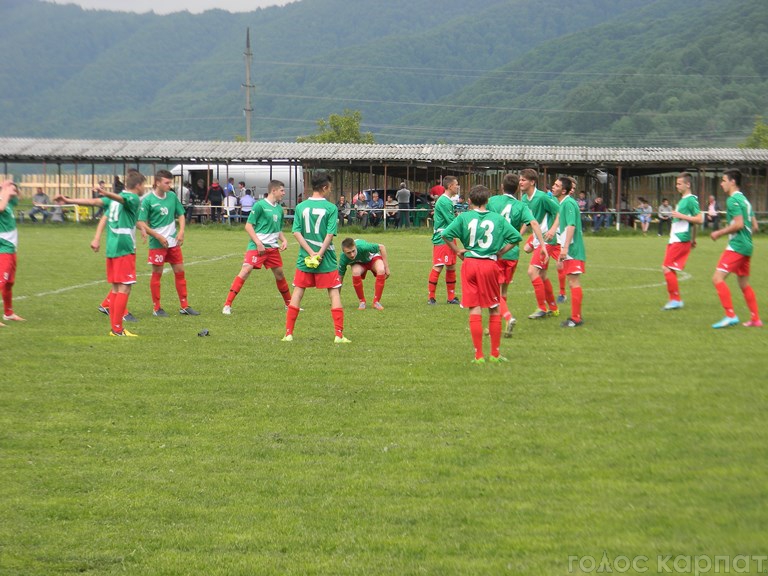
column 677, row 255
column 269, row 259
column 7, row 269
column 573, row 266
column 442, row 255
column 734, row 263
column 367, row 266
column 320, row 280
column 480, row 283
column 160, row 256
column 554, row 254
column 122, row 270
column 506, row 270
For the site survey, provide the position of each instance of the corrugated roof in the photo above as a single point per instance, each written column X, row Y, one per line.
column 173, row 151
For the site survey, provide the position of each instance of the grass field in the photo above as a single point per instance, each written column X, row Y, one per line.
column 641, row 433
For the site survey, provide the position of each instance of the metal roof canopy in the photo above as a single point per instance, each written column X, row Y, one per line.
column 394, row 156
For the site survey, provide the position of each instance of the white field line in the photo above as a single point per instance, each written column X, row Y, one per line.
column 103, row 281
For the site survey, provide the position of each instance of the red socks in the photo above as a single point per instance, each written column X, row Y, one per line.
column 494, row 327
column 181, row 288
column 725, row 298
column 476, row 330
column 338, row 321
column 290, row 319
column 549, row 295
column 749, row 296
column 237, row 283
column 285, row 291
column 433, row 277
column 538, row 290
column 450, row 283
column 576, row 296
column 672, row 286
column 379, row 287
column 357, row 284
column 117, row 311
column 154, row 288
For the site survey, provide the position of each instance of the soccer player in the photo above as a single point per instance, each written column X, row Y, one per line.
column 9, row 241
column 95, row 245
column 157, row 219
column 545, row 210
column 518, row 215
column 572, row 254
column 485, row 236
column 122, row 212
column 265, row 228
column 682, row 238
column 443, row 256
column 364, row 256
column 738, row 254
column 314, row 226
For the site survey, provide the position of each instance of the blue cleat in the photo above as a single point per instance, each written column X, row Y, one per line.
column 673, row 305
column 726, row 322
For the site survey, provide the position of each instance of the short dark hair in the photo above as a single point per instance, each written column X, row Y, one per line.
column 686, row 176
column 320, row 180
column 733, row 174
column 510, row 183
column 134, row 178
column 274, row 185
column 163, row 174
column 567, row 183
column 479, row 195
column 530, row 174
column 348, row 243
column 448, row 180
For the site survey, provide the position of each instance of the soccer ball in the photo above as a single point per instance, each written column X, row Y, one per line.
column 312, row 261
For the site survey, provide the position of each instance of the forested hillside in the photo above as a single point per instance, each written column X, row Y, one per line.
column 634, row 72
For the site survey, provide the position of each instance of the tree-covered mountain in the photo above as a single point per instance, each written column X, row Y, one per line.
column 637, row 72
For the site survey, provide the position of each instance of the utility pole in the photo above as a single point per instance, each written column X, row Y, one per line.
column 248, row 109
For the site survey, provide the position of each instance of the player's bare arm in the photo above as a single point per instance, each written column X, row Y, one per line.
column 736, row 224
column 182, row 228
column 384, row 257
column 255, row 237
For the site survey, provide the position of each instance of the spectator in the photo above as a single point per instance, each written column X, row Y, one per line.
column 377, row 210
column 436, row 191
column 39, row 200
column 229, row 188
column 361, row 210
column 404, row 204
column 230, row 206
column 214, row 197
column 344, row 209
column 392, row 208
column 644, row 211
column 246, row 203
column 241, row 190
column 582, row 202
column 712, row 215
column 598, row 218
column 665, row 215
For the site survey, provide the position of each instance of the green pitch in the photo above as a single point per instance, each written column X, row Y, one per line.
column 641, row 433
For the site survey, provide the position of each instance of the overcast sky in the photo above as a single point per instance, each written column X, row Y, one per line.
column 168, row 6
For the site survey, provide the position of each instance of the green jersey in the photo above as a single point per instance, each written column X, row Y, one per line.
column 121, row 224
column 741, row 241
column 315, row 218
column 160, row 214
column 482, row 233
column 365, row 253
column 514, row 212
column 443, row 216
column 267, row 221
column 680, row 231
column 570, row 215
column 9, row 235
column 544, row 209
